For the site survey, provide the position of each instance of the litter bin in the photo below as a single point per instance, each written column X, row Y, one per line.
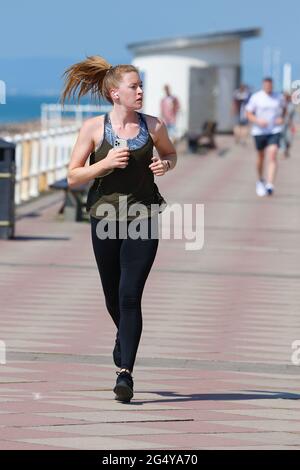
column 7, row 189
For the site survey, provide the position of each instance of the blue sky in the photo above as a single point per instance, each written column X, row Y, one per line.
column 39, row 39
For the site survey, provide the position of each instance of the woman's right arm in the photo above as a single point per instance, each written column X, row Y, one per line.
column 78, row 173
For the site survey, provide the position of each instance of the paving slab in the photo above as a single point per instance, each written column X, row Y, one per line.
column 214, row 367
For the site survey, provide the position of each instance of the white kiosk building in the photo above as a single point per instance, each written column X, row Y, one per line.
column 202, row 71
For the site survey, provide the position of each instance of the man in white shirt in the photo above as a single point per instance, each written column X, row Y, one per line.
column 265, row 110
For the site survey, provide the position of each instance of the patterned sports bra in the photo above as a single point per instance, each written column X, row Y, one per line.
column 135, row 142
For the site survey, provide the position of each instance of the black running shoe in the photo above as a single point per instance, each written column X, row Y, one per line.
column 117, row 351
column 124, row 387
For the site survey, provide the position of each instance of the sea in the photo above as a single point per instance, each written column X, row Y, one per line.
column 22, row 108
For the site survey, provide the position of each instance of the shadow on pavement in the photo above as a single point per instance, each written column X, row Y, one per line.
column 30, row 238
column 254, row 395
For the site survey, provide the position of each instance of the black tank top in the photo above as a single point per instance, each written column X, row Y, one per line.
column 134, row 184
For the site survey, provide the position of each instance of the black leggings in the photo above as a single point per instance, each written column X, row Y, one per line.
column 124, row 265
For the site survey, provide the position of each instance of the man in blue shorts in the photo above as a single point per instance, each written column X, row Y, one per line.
column 265, row 110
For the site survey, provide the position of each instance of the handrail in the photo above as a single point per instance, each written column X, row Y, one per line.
column 42, row 157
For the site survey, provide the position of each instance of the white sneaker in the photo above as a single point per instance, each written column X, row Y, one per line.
column 260, row 188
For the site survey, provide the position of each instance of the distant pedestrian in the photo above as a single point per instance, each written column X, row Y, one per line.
column 240, row 99
column 169, row 108
column 265, row 110
column 289, row 126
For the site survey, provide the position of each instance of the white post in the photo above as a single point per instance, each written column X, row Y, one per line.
column 287, row 78
column 19, row 155
column 34, row 165
column 277, row 69
column 51, row 158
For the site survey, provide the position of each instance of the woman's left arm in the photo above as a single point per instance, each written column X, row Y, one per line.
column 167, row 153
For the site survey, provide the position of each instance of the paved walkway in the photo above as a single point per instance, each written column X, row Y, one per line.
column 214, row 366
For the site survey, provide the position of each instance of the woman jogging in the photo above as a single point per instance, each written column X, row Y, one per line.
column 120, row 146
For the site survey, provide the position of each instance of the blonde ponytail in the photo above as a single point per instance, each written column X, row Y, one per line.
column 93, row 75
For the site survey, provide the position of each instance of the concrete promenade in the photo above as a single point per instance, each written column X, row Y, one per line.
column 213, row 369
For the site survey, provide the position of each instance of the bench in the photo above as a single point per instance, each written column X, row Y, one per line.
column 74, row 200
column 195, row 140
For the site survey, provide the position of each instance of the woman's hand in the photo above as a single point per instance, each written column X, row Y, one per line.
column 117, row 158
column 159, row 167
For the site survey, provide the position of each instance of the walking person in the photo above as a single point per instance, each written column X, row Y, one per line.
column 266, row 110
column 123, row 261
column 169, row 108
column 288, row 126
column 240, row 99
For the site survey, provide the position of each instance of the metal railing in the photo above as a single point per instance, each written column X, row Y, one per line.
column 52, row 113
column 41, row 158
